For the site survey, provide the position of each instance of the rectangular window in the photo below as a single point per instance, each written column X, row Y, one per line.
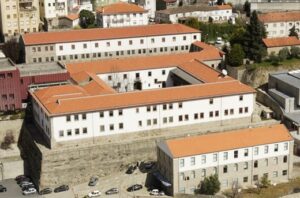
column 101, row 114
column 84, row 130
column 120, row 112
column 255, row 164
column 245, row 165
column 61, row 47
column 148, row 122
column 148, row 108
column 231, row 111
column 256, row 150
column 102, row 128
column 170, row 119
column 266, row 149
column 211, row 114
column 76, row 117
column 216, row 113
column 170, row 106
column 181, row 163
column 84, row 116
column 61, row 133
column 111, row 127
column 180, row 105
column 225, row 155
column 69, row 132
column 285, row 159
column 68, row 118
column 255, row 177
column 236, row 154
column 246, row 152
column 165, row 120
column 275, row 147
column 225, row 169
column 215, row 157
column 201, row 115
column 77, row 131
column 226, row 112
column 111, row 113
column 275, row 174
column 196, row 116
column 211, row 101
column 285, row 146
column 284, row 172
column 180, row 118
column 193, row 161
column 246, row 109
column 245, row 179
column 121, row 125
column 241, row 98
column 96, row 45
column 240, row 110
column 203, row 159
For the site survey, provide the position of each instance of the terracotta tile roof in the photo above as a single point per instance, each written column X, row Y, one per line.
column 281, row 42
column 279, row 16
column 76, row 104
column 224, row 7
column 105, row 33
column 194, row 8
column 216, row 142
column 72, row 17
column 139, row 63
column 120, row 7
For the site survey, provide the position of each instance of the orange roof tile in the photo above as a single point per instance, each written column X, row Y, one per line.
column 121, row 7
column 216, row 142
column 224, row 7
column 145, row 62
column 40, row 38
column 279, row 16
column 281, row 42
column 72, row 17
column 138, row 98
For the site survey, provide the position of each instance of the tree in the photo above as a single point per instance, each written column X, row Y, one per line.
column 283, row 54
column 11, row 49
column 237, row 36
column 264, row 182
column 210, row 185
column 193, row 23
column 274, row 59
column 247, row 8
column 236, row 55
column 253, row 45
column 295, row 52
column 293, row 32
column 210, row 20
column 8, row 140
column 86, row 18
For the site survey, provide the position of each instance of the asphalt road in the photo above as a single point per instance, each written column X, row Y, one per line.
column 14, row 191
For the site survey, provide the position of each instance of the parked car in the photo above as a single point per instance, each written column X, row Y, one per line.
column 29, row 191
column 2, row 188
column 112, row 191
column 23, row 179
column 24, row 184
column 27, row 187
column 93, row 181
column 95, row 193
column 131, row 169
column 20, row 177
column 61, row 188
column 45, row 191
column 134, row 187
column 148, row 165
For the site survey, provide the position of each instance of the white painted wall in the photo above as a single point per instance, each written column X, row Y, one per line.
column 281, row 29
column 136, row 44
column 231, row 160
column 122, row 20
column 53, row 8
column 131, row 117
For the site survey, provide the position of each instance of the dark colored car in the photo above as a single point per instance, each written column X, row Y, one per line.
column 20, row 177
column 112, row 191
column 149, row 165
column 134, row 187
column 131, row 169
column 24, row 179
column 45, row 191
column 2, row 188
column 61, row 188
column 93, row 181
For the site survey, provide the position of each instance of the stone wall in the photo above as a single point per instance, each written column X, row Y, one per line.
column 75, row 163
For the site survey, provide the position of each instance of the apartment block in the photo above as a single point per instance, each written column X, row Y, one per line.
column 220, row 13
column 51, row 10
column 121, row 15
column 19, row 17
column 266, row 151
column 278, row 24
column 92, row 44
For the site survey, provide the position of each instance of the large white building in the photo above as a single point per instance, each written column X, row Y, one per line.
column 18, row 17
column 91, row 44
column 148, row 5
column 240, row 158
column 202, row 13
column 51, row 10
column 278, row 24
column 121, row 14
column 119, row 96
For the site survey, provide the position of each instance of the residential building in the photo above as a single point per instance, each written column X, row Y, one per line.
column 69, row 21
column 18, row 17
column 274, row 6
column 16, row 80
column 274, row 45
column 265, row 151
column 202, row 13
column 100, row 3
column 165, row 4
column 121, row 15
column 148, row 5
column 91, row 44
column 278, row 24
column 51, row 10
column 75, row 6
column 118, row 96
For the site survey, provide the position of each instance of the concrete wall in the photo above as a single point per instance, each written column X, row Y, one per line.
column 274, row 6
column 286, row 102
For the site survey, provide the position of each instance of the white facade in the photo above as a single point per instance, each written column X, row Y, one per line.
column 141, row 118
column 75, row 6
column 281, row 29
column 123, row 45
column 149, row 5
column 201, row 15
column 227, row 157
column 50, row 9
column 122, row 19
